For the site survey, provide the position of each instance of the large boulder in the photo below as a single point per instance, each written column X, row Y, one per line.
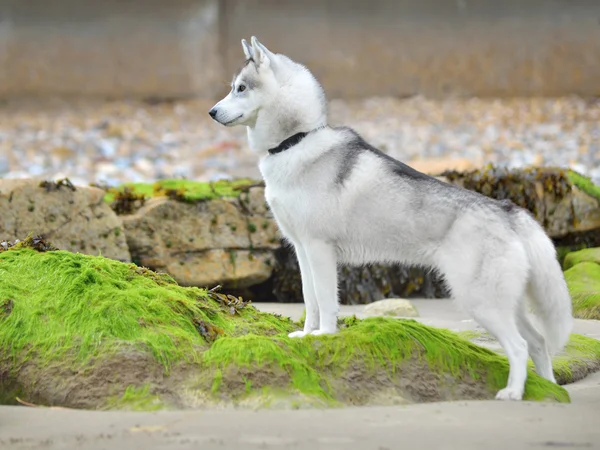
column 205, row 234
column 89, row 332
column 204, row 242
column 75, row 218
column 564, row 202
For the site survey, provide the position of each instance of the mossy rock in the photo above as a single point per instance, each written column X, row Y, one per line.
column 89, row 332
column 584, row 255
column 579, row 358
column 564, row 202
column 583, row 280
column 128, row 197
column 585, row 184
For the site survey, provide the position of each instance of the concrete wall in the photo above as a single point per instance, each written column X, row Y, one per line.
column 379, row 47
column 110, row 47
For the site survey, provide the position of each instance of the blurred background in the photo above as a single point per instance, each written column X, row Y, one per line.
column 118, row 90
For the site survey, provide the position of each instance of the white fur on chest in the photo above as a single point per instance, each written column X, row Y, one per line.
column 298, row 190
column 298, row 212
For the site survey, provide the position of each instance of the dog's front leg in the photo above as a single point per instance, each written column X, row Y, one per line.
column 323, row 265
column 311, row 323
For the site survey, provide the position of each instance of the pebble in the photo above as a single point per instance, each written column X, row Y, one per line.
column 118, row 141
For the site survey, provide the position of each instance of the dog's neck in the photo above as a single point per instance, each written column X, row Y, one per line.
column 274, row 125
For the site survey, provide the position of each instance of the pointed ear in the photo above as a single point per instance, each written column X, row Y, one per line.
column 261, row 54
column 247, row 49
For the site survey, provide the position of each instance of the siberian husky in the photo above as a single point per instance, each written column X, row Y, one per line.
column 339, row 200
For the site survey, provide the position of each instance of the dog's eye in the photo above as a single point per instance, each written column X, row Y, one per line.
column 241, row 88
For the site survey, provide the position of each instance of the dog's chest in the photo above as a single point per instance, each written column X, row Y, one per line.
column 289, row 205
column 296, row 212
column 295, row 196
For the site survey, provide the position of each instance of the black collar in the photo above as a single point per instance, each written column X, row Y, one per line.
column 288, row 143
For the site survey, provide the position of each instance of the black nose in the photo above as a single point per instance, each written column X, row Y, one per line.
column 213, row 113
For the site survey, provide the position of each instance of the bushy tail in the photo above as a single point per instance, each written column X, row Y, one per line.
column 547, row 288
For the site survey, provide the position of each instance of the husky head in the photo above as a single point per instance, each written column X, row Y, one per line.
column 273, row 96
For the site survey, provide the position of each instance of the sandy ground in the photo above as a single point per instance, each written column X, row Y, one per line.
column 458, row 425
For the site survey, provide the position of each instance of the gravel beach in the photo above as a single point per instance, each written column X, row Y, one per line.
column 117, row 141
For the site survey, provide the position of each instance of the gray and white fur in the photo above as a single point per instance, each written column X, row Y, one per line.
column 338, row 200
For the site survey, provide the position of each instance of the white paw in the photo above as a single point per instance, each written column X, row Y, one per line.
column 509, row 394
column 321, row 332
column 297, row 334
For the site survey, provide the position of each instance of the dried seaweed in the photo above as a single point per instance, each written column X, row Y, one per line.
column 231, row 303
column 52, row 186
column 126, row 201
column 38, row 243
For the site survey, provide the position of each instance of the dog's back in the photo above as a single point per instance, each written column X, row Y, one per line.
column 374, row 208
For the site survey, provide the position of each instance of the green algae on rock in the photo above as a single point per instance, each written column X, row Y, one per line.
column 582, row 272
column 579, row 358
column 96, row 302
column 583, row 280
column 135, row 399
column 89, row 332
column 584, row 255
column 584, row 183
column 134, row 194
column 413, row 362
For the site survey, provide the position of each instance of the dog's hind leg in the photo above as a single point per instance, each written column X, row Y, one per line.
column 491, row 292
column 502, row 324
column 536, row 344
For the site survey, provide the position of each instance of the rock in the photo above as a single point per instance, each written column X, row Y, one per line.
column 583, row 279
column 585, row 255
column 578, row 359
column 75, row 219
column 204, row 243
column 396, row 307
column 564, row 202
column 116, row 336
column 255, row 200
column 234, row 269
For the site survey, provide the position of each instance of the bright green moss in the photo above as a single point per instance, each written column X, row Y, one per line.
column 62, row 308
column 584, row 255
column 583, row 280
column 66, row 303
column 186, row 190
column 584, row 183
